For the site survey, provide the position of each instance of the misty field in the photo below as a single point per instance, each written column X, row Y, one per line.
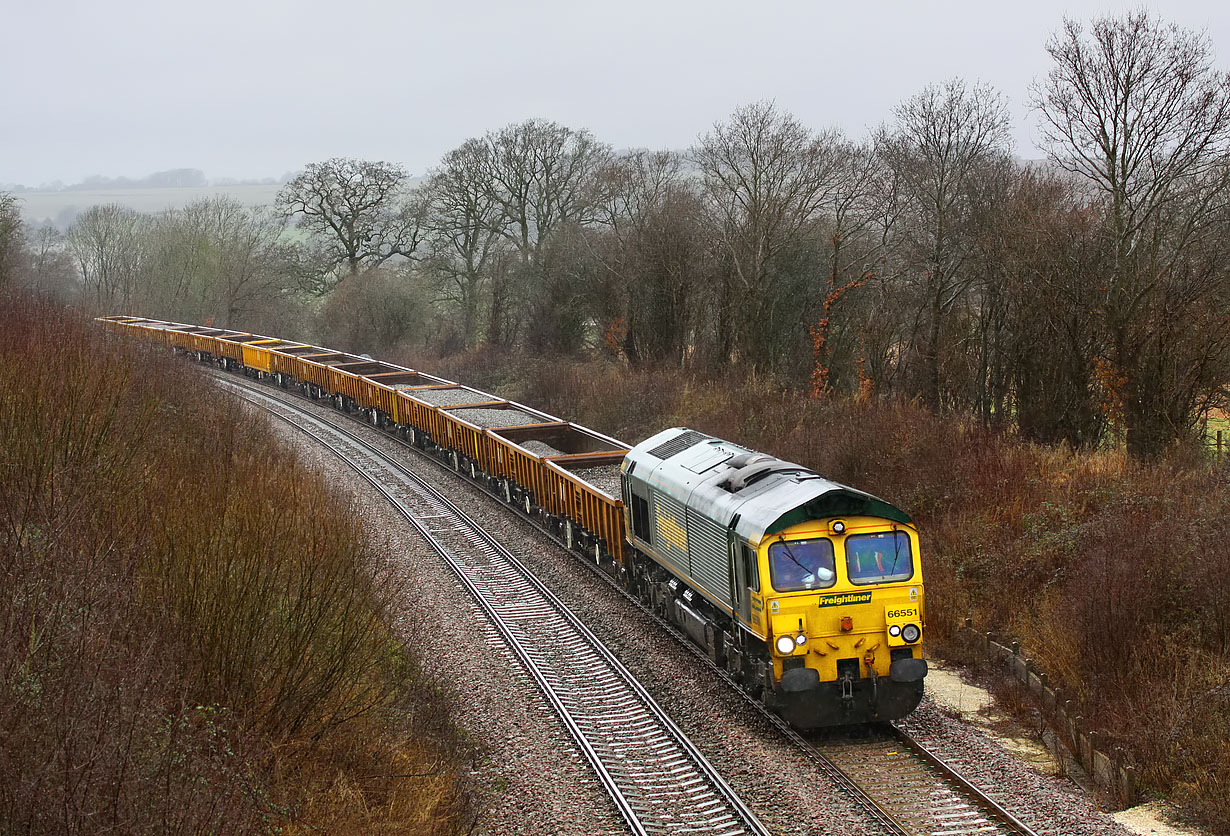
column 62, row 207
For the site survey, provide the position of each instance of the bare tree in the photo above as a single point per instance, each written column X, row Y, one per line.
column 1040, row 259
column 852, row 256
column 355, row 211
column 215, row 260
column 50, row 268
column 944, row 139
column 464, row 230
column 12, row 241
column 1136, row 109
column 108, row 242
column 654, row 254
column 543, row 176
column 768, row 179
column 178, row 272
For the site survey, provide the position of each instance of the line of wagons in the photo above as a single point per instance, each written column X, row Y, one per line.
column 808, row 592
column 563, row 474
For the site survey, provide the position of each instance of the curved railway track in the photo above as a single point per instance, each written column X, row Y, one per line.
column 903, row 786
column 658, row 780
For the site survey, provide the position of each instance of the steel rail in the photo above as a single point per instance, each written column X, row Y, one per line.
column 992, row 806
column 864, row 796
column 617, row 777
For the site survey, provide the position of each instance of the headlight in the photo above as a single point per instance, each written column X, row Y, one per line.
column 911, row 633
column 785, row 645
column 894, row 630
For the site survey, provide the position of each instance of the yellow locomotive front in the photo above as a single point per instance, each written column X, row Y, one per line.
column 808, row 592
column 841, row 610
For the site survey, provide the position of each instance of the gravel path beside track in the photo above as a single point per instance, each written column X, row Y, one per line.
column 1051, row 805
column 526, row 775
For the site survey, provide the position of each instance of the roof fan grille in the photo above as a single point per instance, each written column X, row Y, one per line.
column 677, row 444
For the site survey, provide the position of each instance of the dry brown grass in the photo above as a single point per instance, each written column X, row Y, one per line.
column 191, row 637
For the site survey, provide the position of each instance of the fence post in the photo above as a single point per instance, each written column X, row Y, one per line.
column 1129, row 786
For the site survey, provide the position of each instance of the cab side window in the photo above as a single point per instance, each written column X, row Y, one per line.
column 751, row 570
column 640, row 518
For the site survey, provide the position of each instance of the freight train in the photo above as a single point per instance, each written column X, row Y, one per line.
column 807, row 592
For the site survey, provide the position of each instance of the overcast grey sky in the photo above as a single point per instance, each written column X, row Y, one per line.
column 256, row 88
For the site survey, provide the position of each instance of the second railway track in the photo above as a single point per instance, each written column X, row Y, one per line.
column 900, row 784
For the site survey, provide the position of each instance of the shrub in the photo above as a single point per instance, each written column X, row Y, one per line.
column 191, row 635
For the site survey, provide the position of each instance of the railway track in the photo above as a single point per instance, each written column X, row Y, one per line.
column 921, row 793
column 906, row 788
column 658, row 780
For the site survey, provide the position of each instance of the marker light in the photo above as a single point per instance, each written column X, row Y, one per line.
column 785, row 645
column 847, row 623
column 839, row 527
column 800, row 639
column 894, row 630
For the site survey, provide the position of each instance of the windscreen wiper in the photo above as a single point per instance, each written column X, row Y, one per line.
column 896, row 551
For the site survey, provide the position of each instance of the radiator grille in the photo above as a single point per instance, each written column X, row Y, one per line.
column 677, row 444
column 709, row 556
column 670, row 537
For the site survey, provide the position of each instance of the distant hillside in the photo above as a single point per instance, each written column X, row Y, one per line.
column 61, row 207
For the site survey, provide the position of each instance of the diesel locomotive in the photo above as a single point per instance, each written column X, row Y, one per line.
column 807, row 592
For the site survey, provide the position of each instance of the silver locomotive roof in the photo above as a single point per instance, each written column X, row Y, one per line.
column 752, row 492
